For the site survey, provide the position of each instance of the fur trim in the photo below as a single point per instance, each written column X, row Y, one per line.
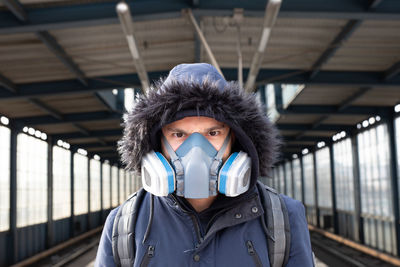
column 231, row 104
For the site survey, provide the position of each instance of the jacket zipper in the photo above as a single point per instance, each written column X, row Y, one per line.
column 197, row 227
column 149, row 254
column 194, row 220
column 252, row 252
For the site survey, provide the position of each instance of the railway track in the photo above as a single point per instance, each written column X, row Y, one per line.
column 335, row 254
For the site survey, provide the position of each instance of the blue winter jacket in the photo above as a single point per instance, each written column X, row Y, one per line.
column 177, row 241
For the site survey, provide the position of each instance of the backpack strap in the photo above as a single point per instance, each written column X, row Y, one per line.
column 123, row 233
column 276, row 225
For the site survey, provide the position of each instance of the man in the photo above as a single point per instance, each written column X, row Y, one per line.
column 200, row 143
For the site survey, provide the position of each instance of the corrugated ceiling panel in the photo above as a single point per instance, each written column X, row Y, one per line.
column 101, row 148
column 289, row 133
column 374, row 46
column 74, row 103
column 24, row 58
column 323, row 95
column 319, row 133
column 103, row 50
column 383, row 96
column 295, row 118
column 57, row 128
column 101, row 125
column 345, row 119
column 35, row 2
column 306, row 143
column 294, row 43
column 112, row 138
column 82, row 140
column 20, row 108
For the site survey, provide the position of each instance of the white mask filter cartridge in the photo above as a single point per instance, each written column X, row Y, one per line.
column 158, row 177
column 234, row 176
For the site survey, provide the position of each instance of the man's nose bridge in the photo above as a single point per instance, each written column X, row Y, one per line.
column 196, row 140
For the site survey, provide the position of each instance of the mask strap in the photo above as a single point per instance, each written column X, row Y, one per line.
column 169, row 149
column 221, row 152
column 174, row 158
column 217, row 161
column 176, row 162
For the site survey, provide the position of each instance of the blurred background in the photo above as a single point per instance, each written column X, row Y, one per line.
column 327, row 73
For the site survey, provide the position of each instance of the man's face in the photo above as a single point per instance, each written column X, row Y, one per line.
column 215, row 132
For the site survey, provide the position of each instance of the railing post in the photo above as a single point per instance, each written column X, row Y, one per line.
column 50, row 223
column 13, row 254
column 394, row 181
column 333, row 190
column 317, row 213
column 358, row 220
column 72, row 217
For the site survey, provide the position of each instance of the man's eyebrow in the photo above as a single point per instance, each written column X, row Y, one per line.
column 176, row 130
column 216, row 127
column 213, row 128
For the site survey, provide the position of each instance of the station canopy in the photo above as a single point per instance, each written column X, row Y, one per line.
column 330, row 64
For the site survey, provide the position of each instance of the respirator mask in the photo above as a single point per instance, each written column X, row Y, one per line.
column 196, row 170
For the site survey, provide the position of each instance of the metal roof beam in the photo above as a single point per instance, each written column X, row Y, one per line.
column 102, row 13
column 307, row 138
column 9, row 85
column 271, row 13
column 124, row 15
column 345, row 33
column 351, row 78
column 100, row 133
column 55, row 114
column 203, row 41
column 95, row 145
column 60, row 53
column 16, row 8
column 339, row 78
column 373, row 4
column 336, row 110
column 393, row 71
column 46, row 108
column 104, row 150
column 344, row 107
column 350, row 27
column 347, row 102
column 309, row 127
column 69, row 118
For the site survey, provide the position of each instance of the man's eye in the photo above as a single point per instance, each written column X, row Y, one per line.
column 178, row 135
column 213, row 133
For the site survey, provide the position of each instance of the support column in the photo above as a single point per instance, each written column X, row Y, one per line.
column 278, row 98
column 13, row 248
column 263, row 96
column 111, row 186
column 119, row 187
column 285, row 186
column 292, row 178
column 72, row 217
column 89, row 223
column 395, row 181
column 333, row 190
column 103, row 216
column 317, row 213
column 358, row 220
column 50, row 223
column 303, row 199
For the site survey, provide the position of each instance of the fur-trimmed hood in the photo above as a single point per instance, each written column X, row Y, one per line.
column 199, row 90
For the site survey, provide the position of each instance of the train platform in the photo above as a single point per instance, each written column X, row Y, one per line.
column 330, row 251
column 323, row 75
